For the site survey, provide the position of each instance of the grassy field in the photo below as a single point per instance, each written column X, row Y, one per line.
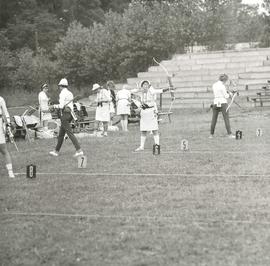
column 205, row 206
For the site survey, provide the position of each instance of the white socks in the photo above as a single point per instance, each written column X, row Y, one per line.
column 126, row 124
column 10, row 171
column 9, row 166
column 143, row 138
column 156, row 139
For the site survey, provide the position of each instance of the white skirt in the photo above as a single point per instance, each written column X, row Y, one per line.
column 148, row 120
column 103, row 113
column 45, row 116
column 2, row 132
column 123, row 107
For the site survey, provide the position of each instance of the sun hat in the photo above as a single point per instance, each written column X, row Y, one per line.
column 95, row 87
column 63, row 82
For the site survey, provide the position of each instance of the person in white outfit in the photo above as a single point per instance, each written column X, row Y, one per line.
column 123, row 99
column 5, row 122
column 103, row 101
column 220, row 105
column 44, row 110
column 149, row 112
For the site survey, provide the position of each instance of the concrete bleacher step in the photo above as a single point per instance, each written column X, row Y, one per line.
column 217, row 60
column 224, row 53
column 179, row 77
column 204, row 104
column 205, row 95
column 255, row 75
column 250, row 81
column 172, row 67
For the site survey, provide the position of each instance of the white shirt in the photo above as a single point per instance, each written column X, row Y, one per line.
column 3, row 109
column 220, row 93
column 123, row 94
column 65, row 99
column 43, row 101
column 149, row 97
column 104, row 96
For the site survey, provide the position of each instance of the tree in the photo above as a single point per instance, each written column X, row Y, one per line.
column 69, row 53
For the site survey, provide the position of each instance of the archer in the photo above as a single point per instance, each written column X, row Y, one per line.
column 148, row 121
column 220, row 104
column 4, row 118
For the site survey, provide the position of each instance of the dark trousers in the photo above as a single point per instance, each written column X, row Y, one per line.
column 65, row 128
column 225, row 114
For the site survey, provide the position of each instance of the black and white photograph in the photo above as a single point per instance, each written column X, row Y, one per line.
column 134, row 132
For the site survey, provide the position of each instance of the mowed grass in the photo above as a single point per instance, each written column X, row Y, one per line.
column 206, row 206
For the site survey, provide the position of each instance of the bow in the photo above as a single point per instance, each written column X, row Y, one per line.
column 10, row 135
column 169, row 78
column 235, row 93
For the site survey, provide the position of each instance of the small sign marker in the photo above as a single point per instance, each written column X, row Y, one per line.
column 238, row 134
column 156, row 149
column 259, row 132
column 82, row 161
column 184, row 145
column 31, row 171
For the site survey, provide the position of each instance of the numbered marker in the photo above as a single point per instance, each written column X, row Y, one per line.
column 31, row 171
column 156, row 149
column 184, row 145
column 82, row 161
column 238, row 134
column 259, row 132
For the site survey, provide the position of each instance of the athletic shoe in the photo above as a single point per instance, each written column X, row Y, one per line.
column 11, row 174
column 211, row 137
column 139, row 149
column 54, row 153
column 231, row 136
column 78, row 153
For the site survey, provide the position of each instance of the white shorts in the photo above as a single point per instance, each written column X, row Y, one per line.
column 2, row 132
column 148, row 120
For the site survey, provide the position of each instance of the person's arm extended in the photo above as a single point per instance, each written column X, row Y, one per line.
column 5, row 111
column 157, row 91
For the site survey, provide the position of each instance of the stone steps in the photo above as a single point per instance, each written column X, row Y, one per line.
column 204, row 95
column 254, row 75
column 224, row 53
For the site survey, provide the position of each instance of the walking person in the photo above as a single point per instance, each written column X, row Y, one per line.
column 123, row 99
column 44, row 111
column 103, row 100
column 67, row 115
column 149, row 112
column 5, row 119
column 220, row 105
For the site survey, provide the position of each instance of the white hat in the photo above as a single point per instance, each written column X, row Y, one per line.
column 95, row 87
column 144, row 81
column 63, row 82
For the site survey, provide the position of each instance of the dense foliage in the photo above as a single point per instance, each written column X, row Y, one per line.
column 93, row 41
